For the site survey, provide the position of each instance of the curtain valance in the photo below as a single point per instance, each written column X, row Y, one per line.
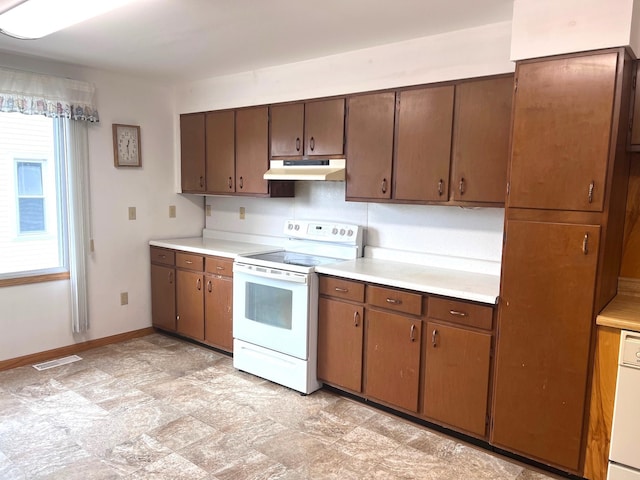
column 37, row 94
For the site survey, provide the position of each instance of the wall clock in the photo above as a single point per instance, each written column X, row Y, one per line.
column 126, row 145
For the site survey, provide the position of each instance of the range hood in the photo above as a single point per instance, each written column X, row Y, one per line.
column 333, row 169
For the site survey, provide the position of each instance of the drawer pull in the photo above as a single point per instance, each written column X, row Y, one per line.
column 458, row 313
column 188, row 262
column 412, row 332
column 209, row 286
column 163, row 256
column 199, row 284
column 356, row 317
column 341, row 290
column 218, row 267
column 434, row 336
column 585, row 244
column 393, row 301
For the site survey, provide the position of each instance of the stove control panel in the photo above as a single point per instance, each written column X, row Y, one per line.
column 323, row 231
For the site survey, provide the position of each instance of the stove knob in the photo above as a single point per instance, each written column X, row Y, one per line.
column 349, row 233
column 342, row 231
column 290, row 226
column 334, row 231
column 297, row 227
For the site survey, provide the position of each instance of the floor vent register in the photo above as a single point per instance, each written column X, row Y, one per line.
column 57, row 362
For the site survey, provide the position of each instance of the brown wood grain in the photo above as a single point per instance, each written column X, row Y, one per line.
column 220, row 151
column 631, row 247
column 192, row 152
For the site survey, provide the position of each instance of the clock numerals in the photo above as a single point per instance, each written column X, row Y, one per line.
column 126, row 144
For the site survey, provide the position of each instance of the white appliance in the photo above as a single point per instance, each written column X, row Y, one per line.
column 275, row 302
column 624, row 453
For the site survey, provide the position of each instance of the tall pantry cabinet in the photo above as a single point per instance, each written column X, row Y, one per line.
column 564, row 222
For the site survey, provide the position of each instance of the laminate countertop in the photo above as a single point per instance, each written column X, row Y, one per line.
column 622, row 312
column 477, row 287
column 215, row 247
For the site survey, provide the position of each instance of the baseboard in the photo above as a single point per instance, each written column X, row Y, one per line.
column 72, row 349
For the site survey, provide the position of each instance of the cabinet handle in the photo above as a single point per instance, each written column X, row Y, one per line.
column 384, row 185
column 163, row 256
column 434, row 336
column 393, row 301
column 230, row 182
column 341, row 290
column 458, row 313
column 199, row 284
column 592, row 185
column 218, row 267
column 201, row 181
column 241, row 182
column 177, row 318
column 312, row 143
column 356, row 316
column 412, row 333
column 297, row 144
column 170, row 278
column 209, row 286
column 440, row 187
column 461, row 186
column 585, row 244
column 188, row 262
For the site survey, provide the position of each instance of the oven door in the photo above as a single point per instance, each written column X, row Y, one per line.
column 271, row 308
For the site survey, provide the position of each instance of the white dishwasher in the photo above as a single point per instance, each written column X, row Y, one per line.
column 624, row 453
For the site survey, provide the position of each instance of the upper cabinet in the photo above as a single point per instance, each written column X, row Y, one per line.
column 308, row 129
column 562, row 133
column 252, row 150
column 192, row 152
column 221, row 153
column 451, row 143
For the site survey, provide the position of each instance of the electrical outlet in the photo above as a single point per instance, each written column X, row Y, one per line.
column 241, row 213
column 124, row 298
column 207, row 210
column 172, row 211
column 132, row 213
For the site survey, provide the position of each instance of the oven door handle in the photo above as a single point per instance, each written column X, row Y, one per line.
column 270, row 273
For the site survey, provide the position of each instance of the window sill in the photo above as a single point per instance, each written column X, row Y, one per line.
column 26, row 280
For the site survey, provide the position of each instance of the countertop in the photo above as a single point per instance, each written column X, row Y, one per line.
column 216, row 247
column 622, row 312
column 477, row 287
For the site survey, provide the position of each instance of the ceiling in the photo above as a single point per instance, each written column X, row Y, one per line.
column 174, row 40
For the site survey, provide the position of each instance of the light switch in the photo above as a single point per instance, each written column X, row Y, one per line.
column 207, row 210
column 241, row 213
column 132, row 213
column 172, row 211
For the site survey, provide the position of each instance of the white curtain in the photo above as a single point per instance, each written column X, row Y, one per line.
column 76, row 152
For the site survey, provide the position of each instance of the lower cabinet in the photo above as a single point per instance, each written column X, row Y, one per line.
column 190, row 303
column 218, row 306
column 163, row 289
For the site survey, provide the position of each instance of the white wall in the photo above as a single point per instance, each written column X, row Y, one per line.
column 549, row 27
column 35, row 318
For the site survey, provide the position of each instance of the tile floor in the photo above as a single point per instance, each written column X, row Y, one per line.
column 161, row 408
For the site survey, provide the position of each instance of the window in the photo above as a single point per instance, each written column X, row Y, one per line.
column 32, row 188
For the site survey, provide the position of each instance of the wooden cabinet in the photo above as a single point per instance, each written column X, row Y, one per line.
column 423, row 144
column 562, row 132
column 634, row 133
column 252, row 150
column 481, row 140
column 190, row 295
column 392, row 372
column 192, row 152
column 307, row 129
column 218, row 303
column 340, row 333
column 457, row 365
column 163, row 288
column 370, row 126
column 220, row 152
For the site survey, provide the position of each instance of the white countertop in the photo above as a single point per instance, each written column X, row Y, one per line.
column 216, row 247
column 477, row 287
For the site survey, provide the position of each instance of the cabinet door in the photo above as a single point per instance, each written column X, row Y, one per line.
column 163, row 297
column 456, row 379
column 192, row 152
column 287, row 129
column 252, row 150
column 561, row 132
column 544, row 336
column 340, row 343
column 190, row 304
column 218, row 314
column 370, row 122
column 423, row 139
column 220, row 138
column 324, row 127
column 393, row 359
column 481, row 140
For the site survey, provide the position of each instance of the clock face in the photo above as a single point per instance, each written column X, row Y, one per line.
column 128, row 145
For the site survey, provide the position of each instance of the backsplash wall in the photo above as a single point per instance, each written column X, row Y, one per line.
column 453, row 231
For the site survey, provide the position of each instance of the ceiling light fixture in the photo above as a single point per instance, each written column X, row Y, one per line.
column 37, row 18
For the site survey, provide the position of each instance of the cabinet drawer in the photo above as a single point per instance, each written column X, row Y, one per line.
column 396, row 300
column 219, row 266
column 190, row 261
column 340, row 288
column 462, row 313
column 163, row 255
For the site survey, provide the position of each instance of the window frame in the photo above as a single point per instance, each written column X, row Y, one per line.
column 43, row 196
